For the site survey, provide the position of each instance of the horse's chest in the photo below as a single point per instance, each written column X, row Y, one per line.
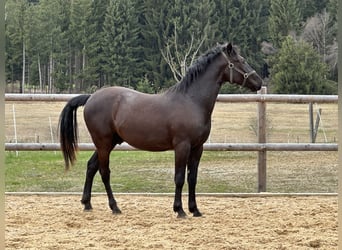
column 203, row 130
column 196, row 127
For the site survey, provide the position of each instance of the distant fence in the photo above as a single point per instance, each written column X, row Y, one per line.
column 261, row 147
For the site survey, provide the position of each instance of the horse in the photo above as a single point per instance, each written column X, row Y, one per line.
column 177, row 119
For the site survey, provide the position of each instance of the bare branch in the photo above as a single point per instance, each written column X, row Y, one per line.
column 183, row 65
column 169, row 60
column 199, row 46
column 177, row 57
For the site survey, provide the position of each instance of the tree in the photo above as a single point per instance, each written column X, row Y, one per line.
column 244, row 23
column 153, row 23
column 94, row 69
column 309, row 8
column 121, row 45
column 16, row 40
column 285, row 17
column 54, row 21
column 81, row 45
column 190, row 27
column 80, row 10
column 320, row 31
column 297, row 69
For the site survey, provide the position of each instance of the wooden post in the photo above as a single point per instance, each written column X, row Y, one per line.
column 314, row 129
column 262, row 139
column 318, row 119
column 312, row 132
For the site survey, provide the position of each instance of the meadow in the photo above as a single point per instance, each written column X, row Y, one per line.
column 138, row 171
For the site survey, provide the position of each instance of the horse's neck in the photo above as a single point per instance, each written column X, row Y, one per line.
column 204, row 92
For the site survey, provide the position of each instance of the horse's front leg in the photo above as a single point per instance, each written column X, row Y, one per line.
column 181, row 157
column 92, row 167
column 193, row 163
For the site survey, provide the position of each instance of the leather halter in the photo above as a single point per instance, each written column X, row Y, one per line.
column 232, row 67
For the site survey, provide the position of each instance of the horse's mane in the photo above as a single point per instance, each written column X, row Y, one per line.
column 199, row 66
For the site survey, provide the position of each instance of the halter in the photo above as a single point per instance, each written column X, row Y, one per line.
column 232, row 67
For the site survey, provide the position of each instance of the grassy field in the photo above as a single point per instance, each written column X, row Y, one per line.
column 153, row 172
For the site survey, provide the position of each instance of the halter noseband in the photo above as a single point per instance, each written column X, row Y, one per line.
column 232, row 67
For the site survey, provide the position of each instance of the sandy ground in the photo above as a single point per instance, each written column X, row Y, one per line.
column 148, row 222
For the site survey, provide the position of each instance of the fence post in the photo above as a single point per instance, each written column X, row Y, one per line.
column 15, row 128
column 262, row 139
column 312, row 130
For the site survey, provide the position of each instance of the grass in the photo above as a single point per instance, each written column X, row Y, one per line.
column 131, row 172
column 153, row 172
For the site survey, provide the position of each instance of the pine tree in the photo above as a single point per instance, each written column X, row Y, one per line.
column 94, row 70
column 80, row 10
column 285, row 17
column 121, row 46
column 297, row 69
column 16, row 40
column 154, row 25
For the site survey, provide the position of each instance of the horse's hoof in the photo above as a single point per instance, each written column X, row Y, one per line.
column 197, row 214
column 116, row 211
column 87, row 205
column 182, row 215
column 87, row 208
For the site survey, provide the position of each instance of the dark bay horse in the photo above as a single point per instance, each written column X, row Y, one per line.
column 178, row 119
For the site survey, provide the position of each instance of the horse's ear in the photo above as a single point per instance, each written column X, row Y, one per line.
column 229, row 48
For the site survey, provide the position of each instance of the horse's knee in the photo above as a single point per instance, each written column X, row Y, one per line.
column 105, row 174
column 179, row 179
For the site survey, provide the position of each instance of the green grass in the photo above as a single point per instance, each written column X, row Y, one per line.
column 140, row 171
column 130, row 172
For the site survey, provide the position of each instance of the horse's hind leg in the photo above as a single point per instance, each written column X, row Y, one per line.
column 105, row 175
column 93, row 166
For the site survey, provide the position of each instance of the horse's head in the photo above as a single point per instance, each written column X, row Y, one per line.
column 238, row 70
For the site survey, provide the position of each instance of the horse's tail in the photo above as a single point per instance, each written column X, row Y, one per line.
column 68, row 131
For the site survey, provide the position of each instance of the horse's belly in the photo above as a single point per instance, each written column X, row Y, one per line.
column 148, row 144
column 151, row 147
column 146, row 136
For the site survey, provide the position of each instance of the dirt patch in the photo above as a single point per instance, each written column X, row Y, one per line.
column 147, row 222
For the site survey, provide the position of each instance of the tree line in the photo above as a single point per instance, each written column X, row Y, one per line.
column 81, row 45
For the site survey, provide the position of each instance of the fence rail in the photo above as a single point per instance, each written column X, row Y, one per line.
column 220, row 98
column 207, row 147
column 261, row 146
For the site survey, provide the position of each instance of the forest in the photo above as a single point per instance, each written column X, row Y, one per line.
column 78, row 46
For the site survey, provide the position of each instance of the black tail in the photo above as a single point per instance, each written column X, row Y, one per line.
column 68, row 131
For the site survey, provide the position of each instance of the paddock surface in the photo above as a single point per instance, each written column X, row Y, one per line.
column 148, row 222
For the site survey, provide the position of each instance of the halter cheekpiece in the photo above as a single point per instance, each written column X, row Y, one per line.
column 232, row 67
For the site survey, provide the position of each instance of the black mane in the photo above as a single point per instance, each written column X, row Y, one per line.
column 199, row 66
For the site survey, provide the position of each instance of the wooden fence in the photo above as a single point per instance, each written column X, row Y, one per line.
column 261, row 146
